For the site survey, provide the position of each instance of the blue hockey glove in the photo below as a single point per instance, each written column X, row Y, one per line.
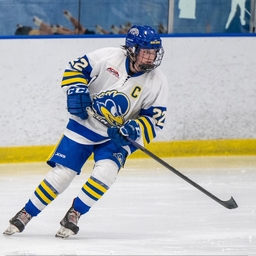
column 78, row 99
column 130, row 129
column 116, row 137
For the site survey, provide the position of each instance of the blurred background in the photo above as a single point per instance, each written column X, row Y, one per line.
column 67, row 17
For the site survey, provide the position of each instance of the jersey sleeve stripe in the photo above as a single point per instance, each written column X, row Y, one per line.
column 149, row 130
column 75, row 80
column 143, row 132
column 71, row 73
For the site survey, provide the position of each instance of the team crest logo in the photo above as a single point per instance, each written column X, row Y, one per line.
column 120, row 158
column 112, row 105
column 134, row 31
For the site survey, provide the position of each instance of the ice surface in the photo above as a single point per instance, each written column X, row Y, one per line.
column 148, row 211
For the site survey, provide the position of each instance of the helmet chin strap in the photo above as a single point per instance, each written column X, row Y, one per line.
column 143, row 67
column 146, row 67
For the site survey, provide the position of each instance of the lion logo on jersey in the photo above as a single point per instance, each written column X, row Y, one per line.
column 113, row 105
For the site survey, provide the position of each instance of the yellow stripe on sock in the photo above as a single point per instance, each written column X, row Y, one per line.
column 42, row 196
column 97, row 185
column 90, row 191
column 48, row 190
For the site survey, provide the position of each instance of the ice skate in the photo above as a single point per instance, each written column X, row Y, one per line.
column 18, row 222
column 69, row 224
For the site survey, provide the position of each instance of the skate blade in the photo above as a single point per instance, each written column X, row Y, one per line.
column 64, row 232
column 11, row 230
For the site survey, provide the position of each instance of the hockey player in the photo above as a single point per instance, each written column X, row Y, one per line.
column 124, row 86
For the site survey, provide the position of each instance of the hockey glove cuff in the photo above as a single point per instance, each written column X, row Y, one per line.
column 130, row 129
column 78, row 99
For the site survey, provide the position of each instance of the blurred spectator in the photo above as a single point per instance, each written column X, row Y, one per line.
column 78, row 28
column 162, row 29
column 44, row 28
column 126, row 27
column 115, row 29
column 26, row 30
column 101, row 30
column 123, row 29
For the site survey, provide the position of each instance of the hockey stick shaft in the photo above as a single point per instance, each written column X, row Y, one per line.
column 230, row 204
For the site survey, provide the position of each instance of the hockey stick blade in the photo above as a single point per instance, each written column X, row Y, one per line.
column 229, row 204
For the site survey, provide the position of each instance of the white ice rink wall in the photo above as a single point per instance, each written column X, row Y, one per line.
column 212, row 85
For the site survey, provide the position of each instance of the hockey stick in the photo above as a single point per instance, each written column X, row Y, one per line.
column 230, row 204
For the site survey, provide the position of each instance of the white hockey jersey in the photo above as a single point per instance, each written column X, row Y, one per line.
column 116, row 95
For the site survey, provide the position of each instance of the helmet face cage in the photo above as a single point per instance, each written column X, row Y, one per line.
column 144, row 37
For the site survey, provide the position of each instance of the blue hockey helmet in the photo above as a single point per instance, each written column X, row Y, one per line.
column 144, row 37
